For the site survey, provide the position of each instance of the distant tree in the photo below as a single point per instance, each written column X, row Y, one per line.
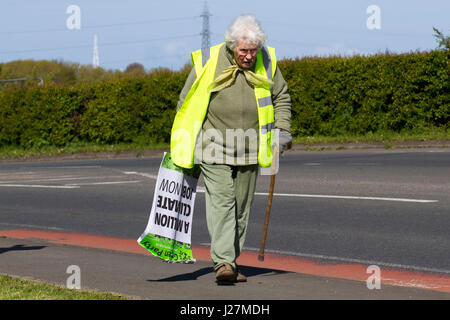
column 444, row 41
column 135, row 69
column 89, row 74
column 50, row 71
column 64, row 73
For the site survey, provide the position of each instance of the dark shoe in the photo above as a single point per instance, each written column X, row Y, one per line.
column 225, row 272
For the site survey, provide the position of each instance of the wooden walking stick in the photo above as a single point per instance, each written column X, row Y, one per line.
column 269, row 204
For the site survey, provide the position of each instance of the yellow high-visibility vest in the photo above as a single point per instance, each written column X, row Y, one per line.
column 189, row 118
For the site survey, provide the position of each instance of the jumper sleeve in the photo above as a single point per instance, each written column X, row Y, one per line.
column 187, row 86
column 281, row 102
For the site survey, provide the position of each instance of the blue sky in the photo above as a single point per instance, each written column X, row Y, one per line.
column 163, row 33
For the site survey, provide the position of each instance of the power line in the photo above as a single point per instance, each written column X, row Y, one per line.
column 101, row 26
column 103, row 44
column 312, row 45
column 178, row 55
column 339, row 29
column 333, row 29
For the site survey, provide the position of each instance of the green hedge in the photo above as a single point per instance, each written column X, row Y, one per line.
column 359, row 95
column 139, row 110
column 331, row 96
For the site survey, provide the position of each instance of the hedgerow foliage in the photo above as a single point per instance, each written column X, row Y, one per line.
column 330, row 96
column 119, row 110
column 357, row 95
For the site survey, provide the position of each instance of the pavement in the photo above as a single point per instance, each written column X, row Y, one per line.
column 413, row 144
column 122, row 266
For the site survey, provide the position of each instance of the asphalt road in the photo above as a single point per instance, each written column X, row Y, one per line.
column 383, row 207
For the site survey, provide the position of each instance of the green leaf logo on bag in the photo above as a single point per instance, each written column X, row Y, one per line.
column 168, row 231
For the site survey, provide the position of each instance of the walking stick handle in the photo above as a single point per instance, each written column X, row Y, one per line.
column 269, row 205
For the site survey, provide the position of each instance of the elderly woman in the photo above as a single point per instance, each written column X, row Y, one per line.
column 233, row 100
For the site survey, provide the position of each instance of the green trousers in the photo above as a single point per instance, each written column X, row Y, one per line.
column 229, row 195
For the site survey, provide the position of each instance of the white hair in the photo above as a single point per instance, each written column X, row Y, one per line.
column 247, row 29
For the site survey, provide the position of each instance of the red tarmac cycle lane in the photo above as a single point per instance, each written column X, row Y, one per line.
column 358, row 272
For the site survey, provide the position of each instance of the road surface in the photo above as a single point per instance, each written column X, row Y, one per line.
column 388, row 208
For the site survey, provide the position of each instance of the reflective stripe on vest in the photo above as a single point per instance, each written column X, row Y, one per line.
column 189, row 118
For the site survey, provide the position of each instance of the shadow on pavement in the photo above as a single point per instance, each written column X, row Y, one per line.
column 246, row 270
column 185, row 276
column 21, row 247
column 256, row 271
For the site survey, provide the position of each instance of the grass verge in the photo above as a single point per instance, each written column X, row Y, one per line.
column 12, row 288
column 386, row 137
column 389, row 138
column 15, row 152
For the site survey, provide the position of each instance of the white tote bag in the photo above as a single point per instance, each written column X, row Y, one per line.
column 168, row 231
